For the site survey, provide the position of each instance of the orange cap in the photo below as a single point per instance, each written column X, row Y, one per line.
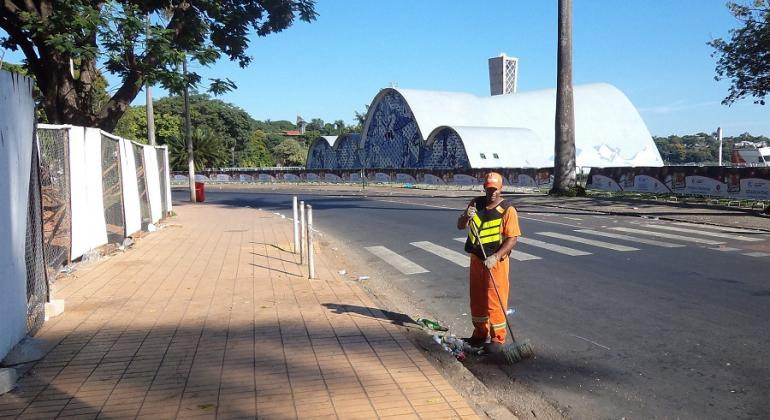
column 493, row 179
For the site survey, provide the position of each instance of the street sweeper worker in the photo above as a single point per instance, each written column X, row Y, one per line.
column 497, row 224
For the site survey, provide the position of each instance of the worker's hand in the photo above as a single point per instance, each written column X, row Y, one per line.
column 470, row 212
column 491, row 261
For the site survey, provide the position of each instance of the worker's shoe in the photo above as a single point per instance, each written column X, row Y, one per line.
column 476, row 341
column 494, row 347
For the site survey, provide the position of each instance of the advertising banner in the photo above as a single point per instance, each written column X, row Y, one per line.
column 750, row 183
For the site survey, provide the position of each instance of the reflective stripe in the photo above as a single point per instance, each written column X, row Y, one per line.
column 490, row 239
column 499, row 326
column 479, row 318
column 490, row 231
column 492, row 223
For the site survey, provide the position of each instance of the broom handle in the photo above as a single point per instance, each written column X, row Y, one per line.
column 494, row 283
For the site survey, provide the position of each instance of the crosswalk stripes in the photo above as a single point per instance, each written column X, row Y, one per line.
column 719, row 228
column 725, row 249
column 668, row 236
column 591, row 242
column 400, row 263
column 702, row 233
column 756, row 254
column 553, row 247
column 630, row 238
column 516, row 255
column 460, row 259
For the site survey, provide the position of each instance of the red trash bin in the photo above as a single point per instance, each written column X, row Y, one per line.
column 200, row 192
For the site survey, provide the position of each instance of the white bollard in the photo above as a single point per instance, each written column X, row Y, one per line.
column 310, row 259
column 302, row 232
column 296, row 226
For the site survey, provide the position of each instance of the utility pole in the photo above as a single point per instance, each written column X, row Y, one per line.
column 564, row 156
column 148, row 98
column 188, row 132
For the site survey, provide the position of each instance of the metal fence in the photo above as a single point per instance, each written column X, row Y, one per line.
column 112, row 190
column 34, row 257
column 55, row 195
column 161, row 153
column 141, row 183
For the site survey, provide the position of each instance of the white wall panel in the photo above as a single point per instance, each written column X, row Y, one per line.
column 131, row 206
column 167, row 188
column 89, row 229
column 153, row 182
column 17, row 131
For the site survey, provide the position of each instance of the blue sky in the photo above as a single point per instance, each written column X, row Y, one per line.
column 654, row 51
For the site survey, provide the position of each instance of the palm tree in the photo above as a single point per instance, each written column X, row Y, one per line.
column 208, row 151
column 564, row 181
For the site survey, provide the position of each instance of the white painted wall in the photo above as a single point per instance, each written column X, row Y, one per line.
column 89, row 229
column 153, row 182
column 131, row 205
column 167, row 188
column 17, row 131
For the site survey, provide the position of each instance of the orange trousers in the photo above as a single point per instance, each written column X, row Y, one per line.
column 487, row 314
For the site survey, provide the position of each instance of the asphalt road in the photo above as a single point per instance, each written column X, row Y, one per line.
column 678, row 328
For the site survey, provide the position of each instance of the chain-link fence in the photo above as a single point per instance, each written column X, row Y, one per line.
column 112, row 190
column 37, row 283
column 163, row 181
column 141, row 183
column 55, row 195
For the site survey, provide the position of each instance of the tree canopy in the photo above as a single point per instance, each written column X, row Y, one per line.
column 65, row 42
column 744, row 59
column 700, row 148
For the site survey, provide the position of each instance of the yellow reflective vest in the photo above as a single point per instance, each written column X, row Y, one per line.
column 489, row 225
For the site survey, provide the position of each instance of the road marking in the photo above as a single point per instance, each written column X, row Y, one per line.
column 549, row 221
column 600, row 244
column 721, row 228
column 573, row 218
column 725, row 249
column 420, row 204
column 463, row 260
column 398, row 262
column 699, row 232
column 668, row 236
column 551, row 247
column 756, row 254
column 630, row 238
column 516, row 255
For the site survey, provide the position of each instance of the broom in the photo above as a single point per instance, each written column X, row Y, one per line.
column 513, row 352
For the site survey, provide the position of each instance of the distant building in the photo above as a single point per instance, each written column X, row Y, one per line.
column 503, row 75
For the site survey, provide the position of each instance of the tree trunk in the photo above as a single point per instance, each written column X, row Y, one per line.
column 564, row 156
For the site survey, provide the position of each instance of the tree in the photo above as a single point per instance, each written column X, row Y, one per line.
column 745, row 57
column 54, row 35
column 564, row 177
column 290, row 153
column 207, row 150
column 255, row 153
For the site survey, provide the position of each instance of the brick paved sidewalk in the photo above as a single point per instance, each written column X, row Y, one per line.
column 213, row 316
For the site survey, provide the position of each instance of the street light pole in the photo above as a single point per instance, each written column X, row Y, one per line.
column 719, row 137
column 188, row 132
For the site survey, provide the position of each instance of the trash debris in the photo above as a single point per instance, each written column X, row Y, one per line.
column 465, row 314
column 431, row 324
column 363, row 278
column 342, row 272
column 67, row 269
column 510, row 311
column 283, row 217
column 90, row 256
column 151, row 228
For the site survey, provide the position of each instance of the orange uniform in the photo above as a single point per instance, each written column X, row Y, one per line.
column 487, row 314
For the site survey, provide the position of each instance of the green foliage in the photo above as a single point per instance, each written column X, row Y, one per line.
column 208, row 151
column 117, row 35
column 745, row 57
column 700, row 148
column 255, row 154
column 290, row 153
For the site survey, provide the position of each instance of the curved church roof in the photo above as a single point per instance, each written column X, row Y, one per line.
column 334, row 152
column 490, row 147
column 608, row 129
